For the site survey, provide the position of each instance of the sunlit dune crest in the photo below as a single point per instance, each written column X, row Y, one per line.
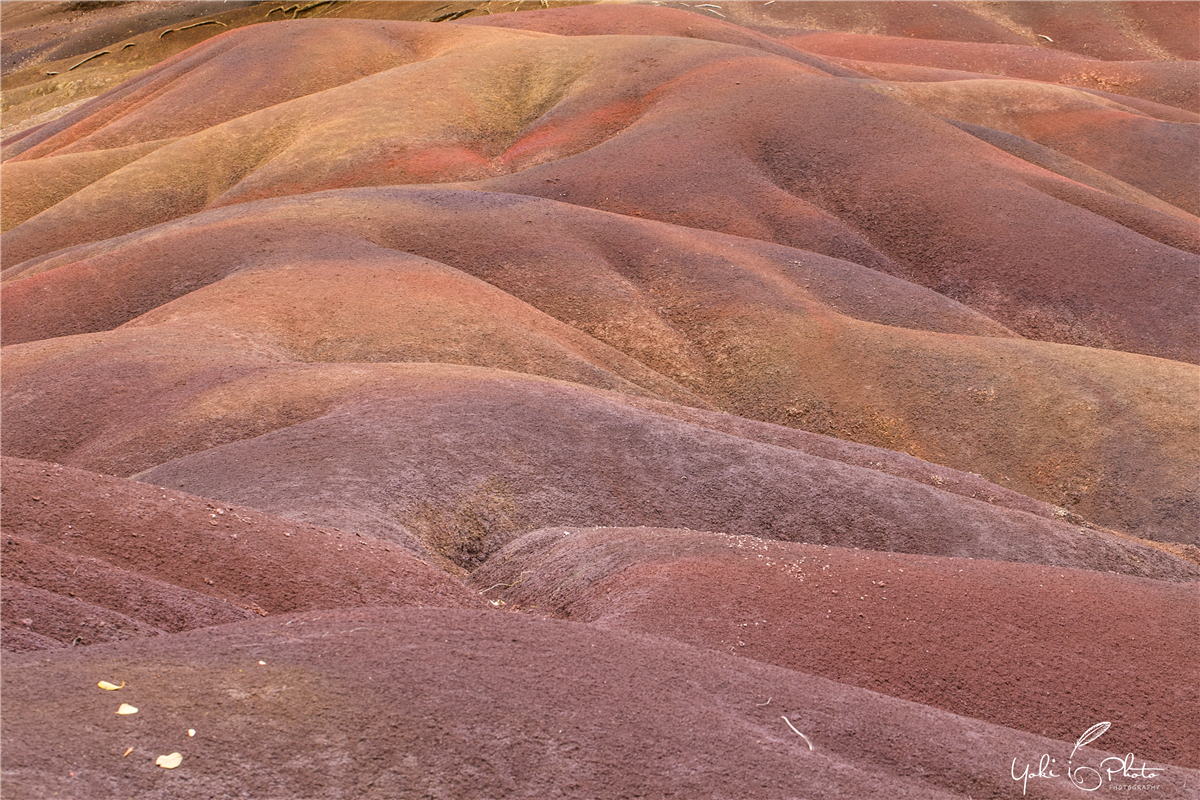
column 536, row 399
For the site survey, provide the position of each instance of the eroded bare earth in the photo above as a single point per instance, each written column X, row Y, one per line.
column 479, row 399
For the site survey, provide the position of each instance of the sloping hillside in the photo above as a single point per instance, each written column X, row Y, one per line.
column 477, row 399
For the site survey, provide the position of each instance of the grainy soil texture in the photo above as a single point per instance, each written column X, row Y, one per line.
column 539, row 399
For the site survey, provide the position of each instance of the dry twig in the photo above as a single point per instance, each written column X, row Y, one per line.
column 89, row 58
column 798, row 733
column 193, row 25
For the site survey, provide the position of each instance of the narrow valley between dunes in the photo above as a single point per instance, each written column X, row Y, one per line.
column 479, row 399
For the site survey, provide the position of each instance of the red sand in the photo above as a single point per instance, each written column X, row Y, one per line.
column 452, row 703
column 1006, row 638
column 177, row 562
column 774, row 334
column 345, row 342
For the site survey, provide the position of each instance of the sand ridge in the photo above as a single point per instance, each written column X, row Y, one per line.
column 472, row 399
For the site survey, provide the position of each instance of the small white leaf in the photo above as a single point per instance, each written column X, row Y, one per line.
column 169, row 762
column 109, row 687
column 127, row 709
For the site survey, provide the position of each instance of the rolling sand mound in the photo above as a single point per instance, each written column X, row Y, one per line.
column 499, row 436
column 566, row 118
column 1133, row 147
column 39, row 619
column 38, row 32
column 345, row 341
column 1172, row 83
column 772, row 333
column 33, row 186
column 229, row 77
column 859, row 618
column 1110, row 31
column 447, row 703
column 157, row 560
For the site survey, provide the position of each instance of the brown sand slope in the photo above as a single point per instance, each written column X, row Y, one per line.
column 1109, row 31
column 1008, row 636
column 171, row 402
column 33, row 186
column 57, row 56
column 454, row 703
column 32, row 618
column 182, row 392
column 605, row 136
column 852, row 165
column 766, row 332
column 172, row 561
column 1170, row 82
column 386, row 288
column 177, row 98
column 513, row 454
column 312, row 302
column 1099, row 131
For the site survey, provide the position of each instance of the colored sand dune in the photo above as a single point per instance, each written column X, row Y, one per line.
column 479, row 399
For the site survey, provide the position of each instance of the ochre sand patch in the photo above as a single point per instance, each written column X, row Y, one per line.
column 771, row 333
column 564, row 118
column 332, row 341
